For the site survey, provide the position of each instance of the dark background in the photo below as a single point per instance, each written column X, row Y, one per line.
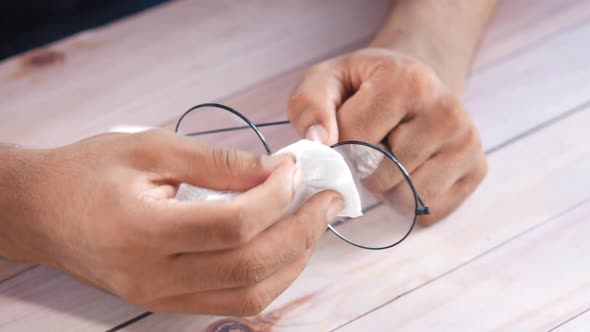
column 26, row 24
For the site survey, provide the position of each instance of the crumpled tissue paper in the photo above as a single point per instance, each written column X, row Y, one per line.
column 323, row 168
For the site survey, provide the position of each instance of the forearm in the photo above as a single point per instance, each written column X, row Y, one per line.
column 442, row 33
column 15, row 174
column 9, row 162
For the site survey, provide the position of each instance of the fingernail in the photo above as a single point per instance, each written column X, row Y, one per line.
column 317, row 133
column 273, row 162
column 336, row 205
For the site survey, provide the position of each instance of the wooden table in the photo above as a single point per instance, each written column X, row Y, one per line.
column 515, row 256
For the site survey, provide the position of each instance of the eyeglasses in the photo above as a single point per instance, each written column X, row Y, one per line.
column 390, row 204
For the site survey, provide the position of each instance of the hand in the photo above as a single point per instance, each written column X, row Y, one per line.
column 381, row 96
column 103, row 210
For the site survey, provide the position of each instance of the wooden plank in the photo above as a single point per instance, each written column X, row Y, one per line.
column 10, row 269
column 577, row 323
column 529, row 89
column 343, row 282
column 167, row 59
column 67, row 307
column 519, row 23
column 503, row 100
column 531, row 283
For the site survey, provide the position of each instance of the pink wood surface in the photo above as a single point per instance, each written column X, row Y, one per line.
column 532, row 69
column 579, row 322
column 532, row 283
column 342, row 282
column 520, row 23
column 167, row 59
column 506, row 27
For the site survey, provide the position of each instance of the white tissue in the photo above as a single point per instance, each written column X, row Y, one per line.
column 323, row 168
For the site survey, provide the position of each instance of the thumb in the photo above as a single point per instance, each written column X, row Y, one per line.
column 209, row 166
column 313, row 104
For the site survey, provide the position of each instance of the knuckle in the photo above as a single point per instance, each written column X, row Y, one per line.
column 223, row 159
column 235, row 230
column 252, row 303
column 152, row 137
column 250, row 269
column 409, row 156
column 299, row 102
column 419, row 80
column 450, row 103
column 451, row 110
column 305, row 237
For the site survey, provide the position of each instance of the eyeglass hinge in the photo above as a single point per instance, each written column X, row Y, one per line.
column 422, row 210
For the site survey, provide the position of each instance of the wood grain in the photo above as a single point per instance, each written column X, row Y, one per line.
column 10, row 269
column 531, row 283
column 498, row 91
column 205, row 50
column 344, row 282
column 27, row 305
column 531, row 88
column 520, row 23
column 578, row 323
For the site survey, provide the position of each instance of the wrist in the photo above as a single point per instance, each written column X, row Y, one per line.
column 16, row 195
column 442, row 34
column 448, row 67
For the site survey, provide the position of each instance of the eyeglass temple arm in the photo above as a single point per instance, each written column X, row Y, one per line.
column 422, row 209
column 215, row 131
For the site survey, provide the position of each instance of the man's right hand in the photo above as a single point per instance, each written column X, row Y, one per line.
column 103, row 210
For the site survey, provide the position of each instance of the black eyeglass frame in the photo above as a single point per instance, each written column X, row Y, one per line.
column 420, row 207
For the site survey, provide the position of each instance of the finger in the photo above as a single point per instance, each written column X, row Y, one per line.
column 435, row 177
column 312, row 105
column 372, row 167
column 378, row 172
column 419, row 139
column 193, row 226
column 453, row 198
column 389, row 94
column 243, row 301
column 178, row 159
column 272, row 250
column 371, row 113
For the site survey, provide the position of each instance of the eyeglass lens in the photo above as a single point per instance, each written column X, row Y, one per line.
column 378, row 178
